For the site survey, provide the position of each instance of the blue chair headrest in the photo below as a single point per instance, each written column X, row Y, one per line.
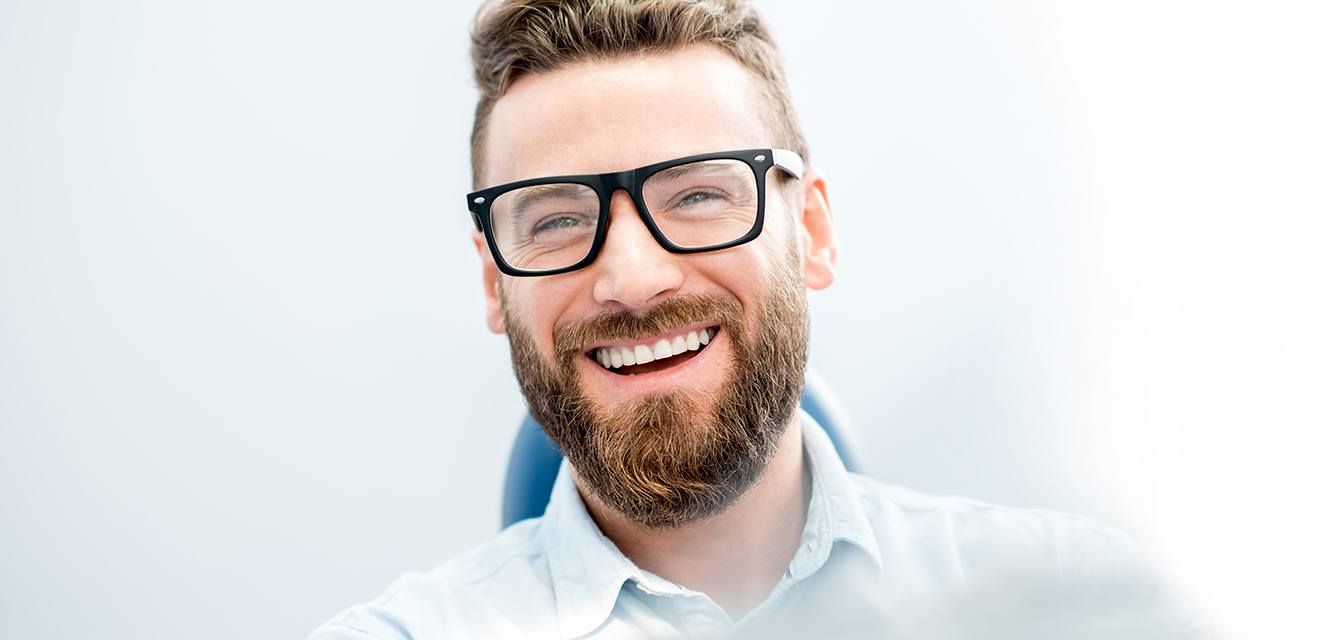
column 534, row 461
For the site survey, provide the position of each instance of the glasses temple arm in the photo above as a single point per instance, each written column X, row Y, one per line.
column 789, row 161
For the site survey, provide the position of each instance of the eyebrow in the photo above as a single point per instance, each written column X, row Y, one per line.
column 524, row 198
column 706, row 168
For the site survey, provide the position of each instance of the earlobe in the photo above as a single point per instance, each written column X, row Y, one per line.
column 494, row 314
column 490, row 274
column 820, row 254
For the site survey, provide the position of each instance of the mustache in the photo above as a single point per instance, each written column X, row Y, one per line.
column 610, row 326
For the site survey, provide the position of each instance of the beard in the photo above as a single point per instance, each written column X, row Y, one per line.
column 665, row 460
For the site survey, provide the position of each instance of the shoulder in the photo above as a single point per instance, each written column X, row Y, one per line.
column 497, row 588
column 974, row 525
column 1014, row 565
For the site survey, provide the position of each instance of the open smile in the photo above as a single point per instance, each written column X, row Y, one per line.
column 648, row 355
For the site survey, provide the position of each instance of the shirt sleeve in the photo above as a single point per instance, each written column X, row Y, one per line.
column 360, row 623
column 1120, row 592
column 336, row 631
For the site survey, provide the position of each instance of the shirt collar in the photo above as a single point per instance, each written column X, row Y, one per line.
column 588, row 570
column 835, row 512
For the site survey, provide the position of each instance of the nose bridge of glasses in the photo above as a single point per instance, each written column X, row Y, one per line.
column 623, row 201
column 624, row 188
column 626, row 181
column 612, row 183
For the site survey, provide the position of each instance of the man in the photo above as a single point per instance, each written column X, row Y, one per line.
column 648, row 228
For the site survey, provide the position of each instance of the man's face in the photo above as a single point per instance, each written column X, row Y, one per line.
column 682, row 437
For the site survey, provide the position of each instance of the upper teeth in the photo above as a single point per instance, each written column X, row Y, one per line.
column 615, row 357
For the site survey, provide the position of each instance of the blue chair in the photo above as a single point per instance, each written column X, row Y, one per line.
column 534, row 461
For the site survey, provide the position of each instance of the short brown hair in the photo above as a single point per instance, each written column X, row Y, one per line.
column 511, row 38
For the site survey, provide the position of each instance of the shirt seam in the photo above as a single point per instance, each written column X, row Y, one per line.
column 457, row 580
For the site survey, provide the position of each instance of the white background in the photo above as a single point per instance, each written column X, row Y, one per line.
column 244, row 380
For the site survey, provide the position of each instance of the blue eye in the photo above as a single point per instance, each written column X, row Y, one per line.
column 558, row 222
column 696, row 198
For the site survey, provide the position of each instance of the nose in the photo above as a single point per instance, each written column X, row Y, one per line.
column 632, row 270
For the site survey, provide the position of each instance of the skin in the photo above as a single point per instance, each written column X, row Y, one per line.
column 608, row 116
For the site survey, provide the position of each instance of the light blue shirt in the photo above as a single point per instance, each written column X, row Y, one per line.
column 874, row 561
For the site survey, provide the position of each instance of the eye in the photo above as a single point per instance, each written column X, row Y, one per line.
column 557, row 222
column 697, row 197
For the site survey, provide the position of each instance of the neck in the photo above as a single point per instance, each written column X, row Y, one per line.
column 737, row 556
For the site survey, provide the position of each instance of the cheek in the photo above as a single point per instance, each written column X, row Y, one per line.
column 743, row 272
column 772, row 251
column 783, row 234
column 541, row 303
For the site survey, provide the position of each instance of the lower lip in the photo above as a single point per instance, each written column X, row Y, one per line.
column 684, row 374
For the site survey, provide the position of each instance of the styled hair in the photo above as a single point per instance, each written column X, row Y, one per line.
column 511, row 38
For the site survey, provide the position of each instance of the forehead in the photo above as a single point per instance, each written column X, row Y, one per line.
column 595, row 117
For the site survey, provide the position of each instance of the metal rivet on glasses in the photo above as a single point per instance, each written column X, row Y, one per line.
column 759, row 158
column 479, row 200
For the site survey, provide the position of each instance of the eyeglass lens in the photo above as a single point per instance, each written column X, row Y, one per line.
column 695, row 205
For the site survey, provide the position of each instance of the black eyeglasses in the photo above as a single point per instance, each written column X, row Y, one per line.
column 707, row 202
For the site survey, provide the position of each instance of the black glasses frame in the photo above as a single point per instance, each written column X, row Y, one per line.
column 605, row 184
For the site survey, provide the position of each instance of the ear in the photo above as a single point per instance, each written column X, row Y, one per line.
column 820, row 254
column 490, row 274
